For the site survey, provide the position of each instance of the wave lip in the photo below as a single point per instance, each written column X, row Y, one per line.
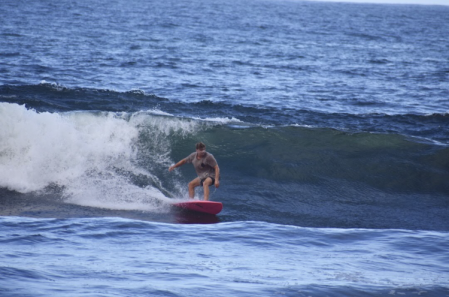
column 55, row 98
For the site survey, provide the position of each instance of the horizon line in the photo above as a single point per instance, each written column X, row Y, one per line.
column 395, row 2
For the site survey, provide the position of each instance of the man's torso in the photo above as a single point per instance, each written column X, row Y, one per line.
column 204, row 167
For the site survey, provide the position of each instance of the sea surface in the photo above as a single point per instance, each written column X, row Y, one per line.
column 329, row 121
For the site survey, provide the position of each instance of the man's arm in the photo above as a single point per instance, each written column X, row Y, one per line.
column 180, row 163
column 217, row 176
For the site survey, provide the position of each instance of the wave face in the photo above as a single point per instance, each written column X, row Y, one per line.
column 282, row 174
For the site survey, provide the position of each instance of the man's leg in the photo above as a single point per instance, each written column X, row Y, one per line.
column 206, row 185
column 192, row 185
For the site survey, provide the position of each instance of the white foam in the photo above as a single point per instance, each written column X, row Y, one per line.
column 302, row 125
column 86, row 153
column 42, row 148
column 220, row 120
column 156, row 111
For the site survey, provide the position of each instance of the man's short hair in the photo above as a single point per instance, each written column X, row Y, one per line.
column 200, row 146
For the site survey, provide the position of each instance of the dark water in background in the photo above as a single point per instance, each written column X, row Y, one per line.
column 326, row 57
column 329, row 122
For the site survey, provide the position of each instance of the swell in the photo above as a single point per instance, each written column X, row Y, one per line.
column 56, row 98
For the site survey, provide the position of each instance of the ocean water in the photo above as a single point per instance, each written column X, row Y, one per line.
column 330, row 123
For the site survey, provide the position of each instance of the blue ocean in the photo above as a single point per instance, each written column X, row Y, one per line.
column 329, row 121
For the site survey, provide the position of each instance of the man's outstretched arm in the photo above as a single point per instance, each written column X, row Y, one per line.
column 180, row 163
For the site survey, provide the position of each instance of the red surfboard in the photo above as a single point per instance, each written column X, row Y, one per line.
column 210, row 207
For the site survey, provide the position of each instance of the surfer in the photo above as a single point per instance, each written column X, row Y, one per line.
column 205, row 166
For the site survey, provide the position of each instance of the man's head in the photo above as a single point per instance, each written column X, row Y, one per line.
column 201, row 148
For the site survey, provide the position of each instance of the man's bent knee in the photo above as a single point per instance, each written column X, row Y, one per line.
column 207, row 182
column 194, row 183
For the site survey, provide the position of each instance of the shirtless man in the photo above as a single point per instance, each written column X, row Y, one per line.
column 205, row 166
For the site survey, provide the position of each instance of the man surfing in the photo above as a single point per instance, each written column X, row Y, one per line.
column 205, row 166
